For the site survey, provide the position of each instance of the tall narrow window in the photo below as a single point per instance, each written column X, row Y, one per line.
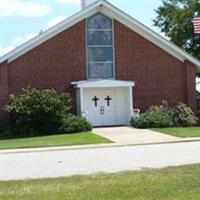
column 100, row 46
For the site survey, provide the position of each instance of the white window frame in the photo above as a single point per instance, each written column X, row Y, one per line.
column 87, row 47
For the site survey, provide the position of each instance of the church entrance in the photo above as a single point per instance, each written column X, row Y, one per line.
column 105, row 102
column 106, row 106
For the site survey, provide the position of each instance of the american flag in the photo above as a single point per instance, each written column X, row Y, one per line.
column 196, row 22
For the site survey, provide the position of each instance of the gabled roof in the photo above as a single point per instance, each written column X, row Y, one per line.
column 112, row 12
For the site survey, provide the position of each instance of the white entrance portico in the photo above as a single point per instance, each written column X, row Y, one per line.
column 105, row 102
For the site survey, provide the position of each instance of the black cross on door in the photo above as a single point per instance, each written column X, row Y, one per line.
column 95, row 99
column 108, row 99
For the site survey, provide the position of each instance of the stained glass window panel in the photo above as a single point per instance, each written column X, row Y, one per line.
column 100, row 37
column 100, row 54
column 99, row 21
column 97, row 70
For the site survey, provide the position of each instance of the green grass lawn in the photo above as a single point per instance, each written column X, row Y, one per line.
column 180, row 132
column 53, row 140
column 174, row 183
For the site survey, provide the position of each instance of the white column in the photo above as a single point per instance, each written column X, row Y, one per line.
column 131, row 101
column 84, row 113
column 81, row 102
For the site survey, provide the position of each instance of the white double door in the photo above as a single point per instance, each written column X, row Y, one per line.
column 106, row 107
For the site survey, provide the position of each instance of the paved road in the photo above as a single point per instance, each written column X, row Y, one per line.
column 87, row 161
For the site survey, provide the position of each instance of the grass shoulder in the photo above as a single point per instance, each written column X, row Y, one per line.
column 180, row 131
column 53, row 140
column 178, row 183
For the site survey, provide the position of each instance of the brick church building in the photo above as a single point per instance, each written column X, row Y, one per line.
column 109, row 62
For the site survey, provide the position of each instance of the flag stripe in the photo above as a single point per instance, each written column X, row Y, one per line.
column 196, row 24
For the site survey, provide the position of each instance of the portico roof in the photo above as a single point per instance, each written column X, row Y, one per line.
column 105, row 83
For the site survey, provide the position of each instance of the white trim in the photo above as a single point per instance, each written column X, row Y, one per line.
column 112, row 12
column 105, row 83
column 113, row 42
column 81, row 102
column 131, row 99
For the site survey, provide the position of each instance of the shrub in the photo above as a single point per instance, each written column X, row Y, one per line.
column 74, row 124
column 183, row 116
column 36, row 112
column 155, row 117
column 163, row 116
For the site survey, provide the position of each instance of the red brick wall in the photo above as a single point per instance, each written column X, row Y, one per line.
column 191, row 85
column 3, row 90
column 53, row 64
column 157, row 75
column 60, row 60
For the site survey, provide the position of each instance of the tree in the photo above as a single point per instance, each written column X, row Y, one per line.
column 174, row 18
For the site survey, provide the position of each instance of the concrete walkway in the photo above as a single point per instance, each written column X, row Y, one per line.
column 128, row 135
column 89, row 161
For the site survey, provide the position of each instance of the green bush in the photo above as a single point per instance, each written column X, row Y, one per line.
column 36, row 112
column 164, row 116
column 183, row 116
column 74, row 124
column 155, row 117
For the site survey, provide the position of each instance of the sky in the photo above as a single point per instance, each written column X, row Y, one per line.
column 21, row 20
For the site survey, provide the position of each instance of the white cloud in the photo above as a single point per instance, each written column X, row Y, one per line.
column 20, row 40
column 4, row 50
column 75, row 2
column 17, row 41
column 24, row 8
column 56, row 20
